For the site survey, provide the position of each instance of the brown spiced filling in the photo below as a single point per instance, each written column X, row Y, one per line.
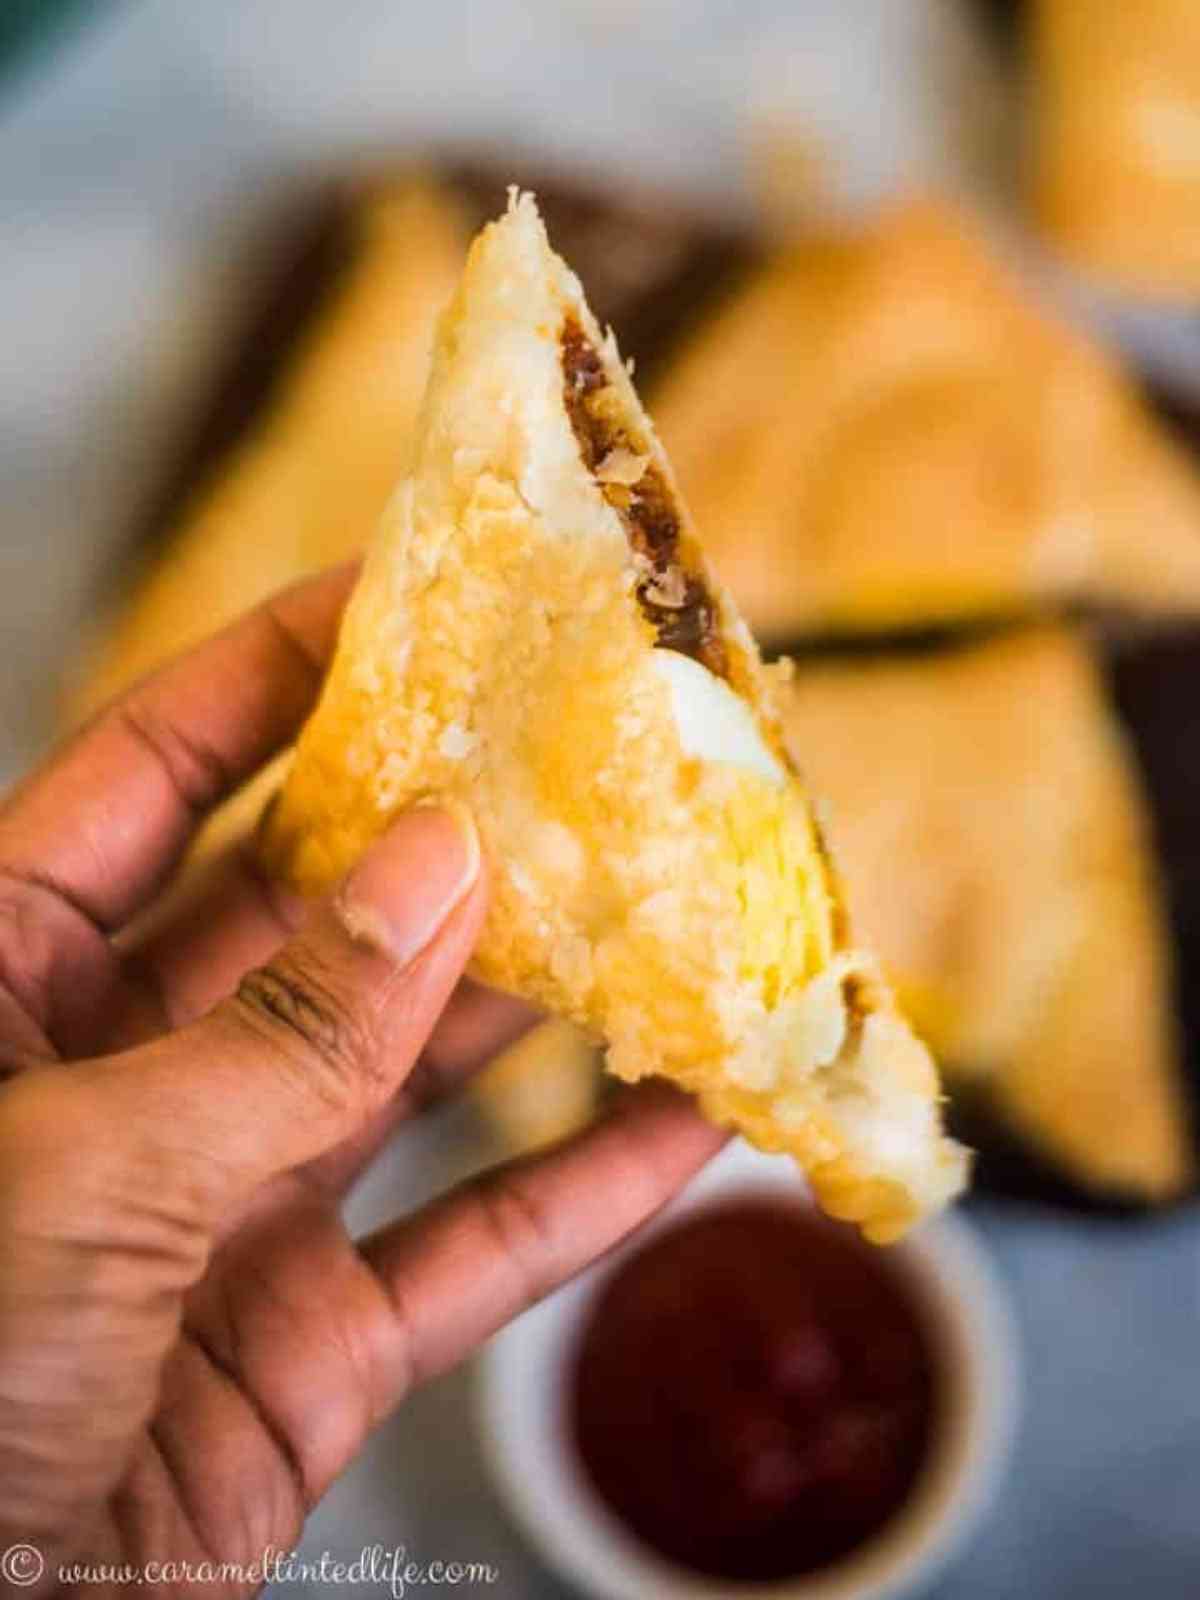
column 675, row 602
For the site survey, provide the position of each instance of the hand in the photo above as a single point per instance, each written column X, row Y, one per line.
column 191, row 1346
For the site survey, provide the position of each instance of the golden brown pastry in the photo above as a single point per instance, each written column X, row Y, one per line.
column 536, row 635
column 989, row 820
column 306, row 488
column 1116, row 149
column 884, row 430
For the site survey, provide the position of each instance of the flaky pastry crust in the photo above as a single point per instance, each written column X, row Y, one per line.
column 885, row 430
column 533, row 632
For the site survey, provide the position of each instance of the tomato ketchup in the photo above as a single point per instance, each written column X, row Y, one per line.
column 753, row 1391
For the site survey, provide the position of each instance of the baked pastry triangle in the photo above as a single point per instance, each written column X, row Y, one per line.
column 306, row 487
column 536, row 633
column 886, row 431
column 1116, row 146
column 999, row 858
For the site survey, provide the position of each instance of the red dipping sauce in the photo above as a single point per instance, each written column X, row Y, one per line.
column 753, row 1391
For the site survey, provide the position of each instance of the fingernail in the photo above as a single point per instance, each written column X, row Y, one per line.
column 410, row 880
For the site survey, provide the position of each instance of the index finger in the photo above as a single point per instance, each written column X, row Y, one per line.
column 105, row 820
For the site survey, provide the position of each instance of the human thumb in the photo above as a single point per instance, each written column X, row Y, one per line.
column 324, row 1034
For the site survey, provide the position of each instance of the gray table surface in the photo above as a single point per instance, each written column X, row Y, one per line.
column 129, row 165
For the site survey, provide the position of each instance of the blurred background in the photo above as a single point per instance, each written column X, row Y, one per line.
column 912, row 289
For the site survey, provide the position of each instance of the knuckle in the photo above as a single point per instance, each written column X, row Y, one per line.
column 522, row 1233
column 195, row 771
column 36, row 923
column 26, row 946
column 331, row 1039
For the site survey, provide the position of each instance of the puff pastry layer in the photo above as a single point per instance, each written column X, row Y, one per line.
column 536, row 634
column 885, row 430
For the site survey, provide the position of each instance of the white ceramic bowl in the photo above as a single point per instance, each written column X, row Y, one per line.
column 523, row 1386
